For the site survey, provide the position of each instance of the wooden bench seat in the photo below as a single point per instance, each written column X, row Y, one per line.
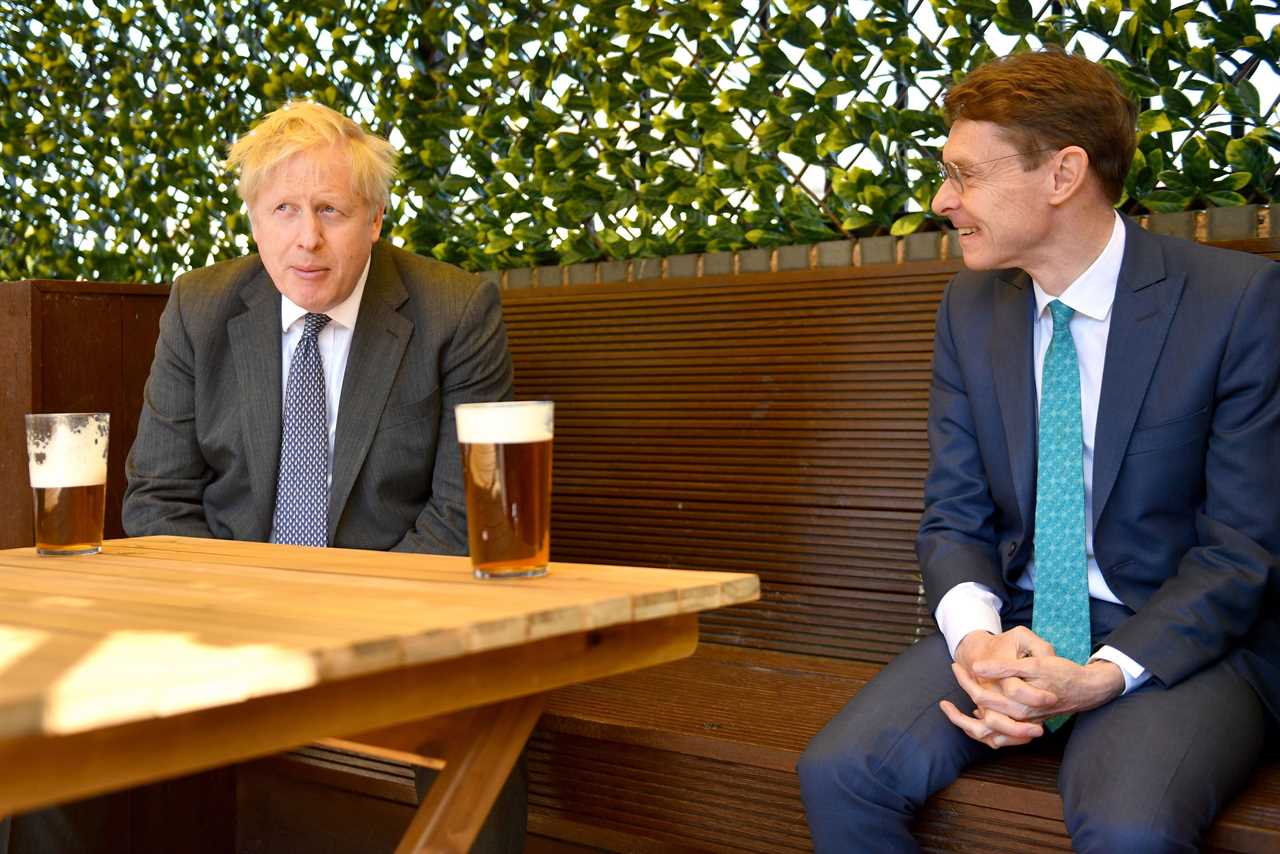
column 703, row 750
column 770, row 423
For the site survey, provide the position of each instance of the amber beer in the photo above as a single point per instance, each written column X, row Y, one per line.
column 67, row 465
column 506, row 463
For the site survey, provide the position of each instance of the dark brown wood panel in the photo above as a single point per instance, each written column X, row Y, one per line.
column 75, row 347
column 773, row 425
column 18, row 343
column 91, row 346
column 82, row 349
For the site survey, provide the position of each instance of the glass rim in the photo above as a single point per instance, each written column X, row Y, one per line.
column 505, row 404
column 66, row 415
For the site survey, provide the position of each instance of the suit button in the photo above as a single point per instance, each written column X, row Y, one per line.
column 1013, row 548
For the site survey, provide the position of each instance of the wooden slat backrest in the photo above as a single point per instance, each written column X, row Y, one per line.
column 773, row 424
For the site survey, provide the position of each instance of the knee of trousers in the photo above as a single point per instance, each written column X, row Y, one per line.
column 829, row 778
column 1108, row 830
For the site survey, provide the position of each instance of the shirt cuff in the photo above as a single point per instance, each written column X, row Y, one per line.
column 967, row 607
column 1134, row 673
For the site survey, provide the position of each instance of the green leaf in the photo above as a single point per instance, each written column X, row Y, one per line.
column 1234, row 181
column 833, row 87
column 1177, row 181
column 1241, row 99
column 1166, row 201
column 856, row 220
column 1196, row 163
column 1226, row 198
column 1251, row 155
column 907, row 224
column 694, row 89
column 1175, row 102
column 1135, row 81
column 1153, row 121
column 1203, row 60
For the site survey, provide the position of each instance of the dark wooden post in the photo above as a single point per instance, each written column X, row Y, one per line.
column 71, row 347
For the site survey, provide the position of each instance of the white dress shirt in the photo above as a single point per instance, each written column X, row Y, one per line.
column 333, row 342
column 971, row 606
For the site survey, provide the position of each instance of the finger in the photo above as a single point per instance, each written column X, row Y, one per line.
column 977, row 729
column 971, row 727
column 1007, row 728
column 982, row 695
column 1033, row 698
column 1012, row 695
column 998, row 741
column 1026, row 669
column 1031, row 644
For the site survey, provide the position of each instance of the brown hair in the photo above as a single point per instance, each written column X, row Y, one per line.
column 1049, row 100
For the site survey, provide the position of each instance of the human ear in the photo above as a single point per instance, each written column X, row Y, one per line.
column 1068, row 171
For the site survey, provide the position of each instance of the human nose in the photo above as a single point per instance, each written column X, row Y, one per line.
column 310, row 235
column 946, row 199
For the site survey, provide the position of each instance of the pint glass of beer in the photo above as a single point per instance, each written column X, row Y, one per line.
column 67, row 463
column 506, row 463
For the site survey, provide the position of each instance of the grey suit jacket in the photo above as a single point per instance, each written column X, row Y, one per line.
column 1186, row 516
column 428, row 337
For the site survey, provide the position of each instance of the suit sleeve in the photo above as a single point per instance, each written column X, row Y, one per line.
column 477, row 368
column 166, row 471
column 957, row 539
column 1219, row 591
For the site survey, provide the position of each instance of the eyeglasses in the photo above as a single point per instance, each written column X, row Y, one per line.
column 954, row 172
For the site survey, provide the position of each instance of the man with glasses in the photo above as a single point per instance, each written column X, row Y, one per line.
column 1099, row 543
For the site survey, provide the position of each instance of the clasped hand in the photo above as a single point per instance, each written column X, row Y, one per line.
column 1016, row 682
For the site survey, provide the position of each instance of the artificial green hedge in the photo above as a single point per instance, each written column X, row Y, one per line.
column 536, row 132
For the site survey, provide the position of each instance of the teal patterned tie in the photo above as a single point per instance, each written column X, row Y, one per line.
column 1061, row 611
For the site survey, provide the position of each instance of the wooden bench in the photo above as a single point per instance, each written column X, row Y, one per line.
column 772, row 423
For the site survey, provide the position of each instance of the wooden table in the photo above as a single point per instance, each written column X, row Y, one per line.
column 166, row 655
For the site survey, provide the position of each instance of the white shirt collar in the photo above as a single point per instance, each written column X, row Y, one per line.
column 343, row 314
column 1093, row 292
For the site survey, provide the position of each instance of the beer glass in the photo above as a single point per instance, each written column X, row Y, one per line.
column 67, row 464
column 506, row 465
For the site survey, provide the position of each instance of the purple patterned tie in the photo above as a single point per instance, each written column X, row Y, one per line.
column 302, row 490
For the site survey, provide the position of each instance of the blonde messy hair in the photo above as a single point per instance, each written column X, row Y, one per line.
column 302, row 126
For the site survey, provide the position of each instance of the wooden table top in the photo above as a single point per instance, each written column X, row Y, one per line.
column 160, row 626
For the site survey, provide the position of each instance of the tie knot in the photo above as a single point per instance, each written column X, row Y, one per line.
column 313, row 324
column 1061, row 314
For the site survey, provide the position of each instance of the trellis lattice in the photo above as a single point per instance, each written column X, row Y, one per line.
column 565, row 130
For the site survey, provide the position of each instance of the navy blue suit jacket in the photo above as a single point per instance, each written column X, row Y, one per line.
column 1186, row 510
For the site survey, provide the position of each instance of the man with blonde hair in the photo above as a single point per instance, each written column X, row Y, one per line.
column 325, row 319
column 305, row 394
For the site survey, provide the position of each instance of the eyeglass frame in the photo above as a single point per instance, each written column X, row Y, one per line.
column 951, row 171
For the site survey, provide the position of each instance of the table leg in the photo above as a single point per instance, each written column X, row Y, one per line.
column 479, row 748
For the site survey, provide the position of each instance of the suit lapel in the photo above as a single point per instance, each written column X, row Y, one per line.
column 255, row 347
column 1011, row 364
column 1146, row 298
column 377, row 346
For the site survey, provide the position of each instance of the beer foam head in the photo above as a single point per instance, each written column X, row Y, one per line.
column 505, row 422
column 67, row 450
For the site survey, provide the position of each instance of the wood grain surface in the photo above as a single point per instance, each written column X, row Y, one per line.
column 159, row 626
